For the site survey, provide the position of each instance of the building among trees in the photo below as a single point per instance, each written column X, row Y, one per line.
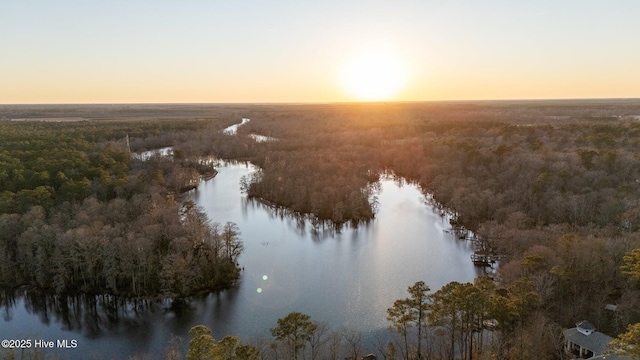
column 585, row 342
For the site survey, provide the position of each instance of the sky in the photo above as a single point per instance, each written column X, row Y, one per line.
column 197, row 51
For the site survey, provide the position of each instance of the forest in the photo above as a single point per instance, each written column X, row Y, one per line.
column 80, row 215
column 550, row 186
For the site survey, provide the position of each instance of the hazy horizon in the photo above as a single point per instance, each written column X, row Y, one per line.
column 345, row 102
column 330, row 52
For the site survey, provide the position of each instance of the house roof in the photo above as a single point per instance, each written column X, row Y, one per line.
column 584, row 324
column 611, row 307
column 596, row 342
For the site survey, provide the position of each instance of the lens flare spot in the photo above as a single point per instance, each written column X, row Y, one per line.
column 265, row 277
column 259, row 290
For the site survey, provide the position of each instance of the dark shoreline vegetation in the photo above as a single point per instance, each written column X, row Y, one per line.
column 553, row 186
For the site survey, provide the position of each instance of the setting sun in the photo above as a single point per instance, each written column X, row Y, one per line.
column 374, row 76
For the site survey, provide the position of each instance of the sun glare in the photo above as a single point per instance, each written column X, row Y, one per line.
column 374, row 76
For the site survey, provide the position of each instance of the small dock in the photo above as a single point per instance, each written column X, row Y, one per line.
column 485, row 259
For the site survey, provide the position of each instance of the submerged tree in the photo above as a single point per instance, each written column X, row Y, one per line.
column 233, row 246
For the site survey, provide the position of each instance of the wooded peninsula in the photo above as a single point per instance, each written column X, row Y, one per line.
column 553, row 187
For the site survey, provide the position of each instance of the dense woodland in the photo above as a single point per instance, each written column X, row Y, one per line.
column 551, row 186
column 80, row 215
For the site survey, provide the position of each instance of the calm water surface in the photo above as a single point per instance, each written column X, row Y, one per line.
column 344, row 279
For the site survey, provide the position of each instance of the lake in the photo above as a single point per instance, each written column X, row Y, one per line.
column 345, row 279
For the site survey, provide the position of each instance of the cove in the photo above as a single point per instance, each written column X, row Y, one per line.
column 344, row 279
column 347, row 278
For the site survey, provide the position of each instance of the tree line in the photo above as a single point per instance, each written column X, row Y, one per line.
column 477, row 320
